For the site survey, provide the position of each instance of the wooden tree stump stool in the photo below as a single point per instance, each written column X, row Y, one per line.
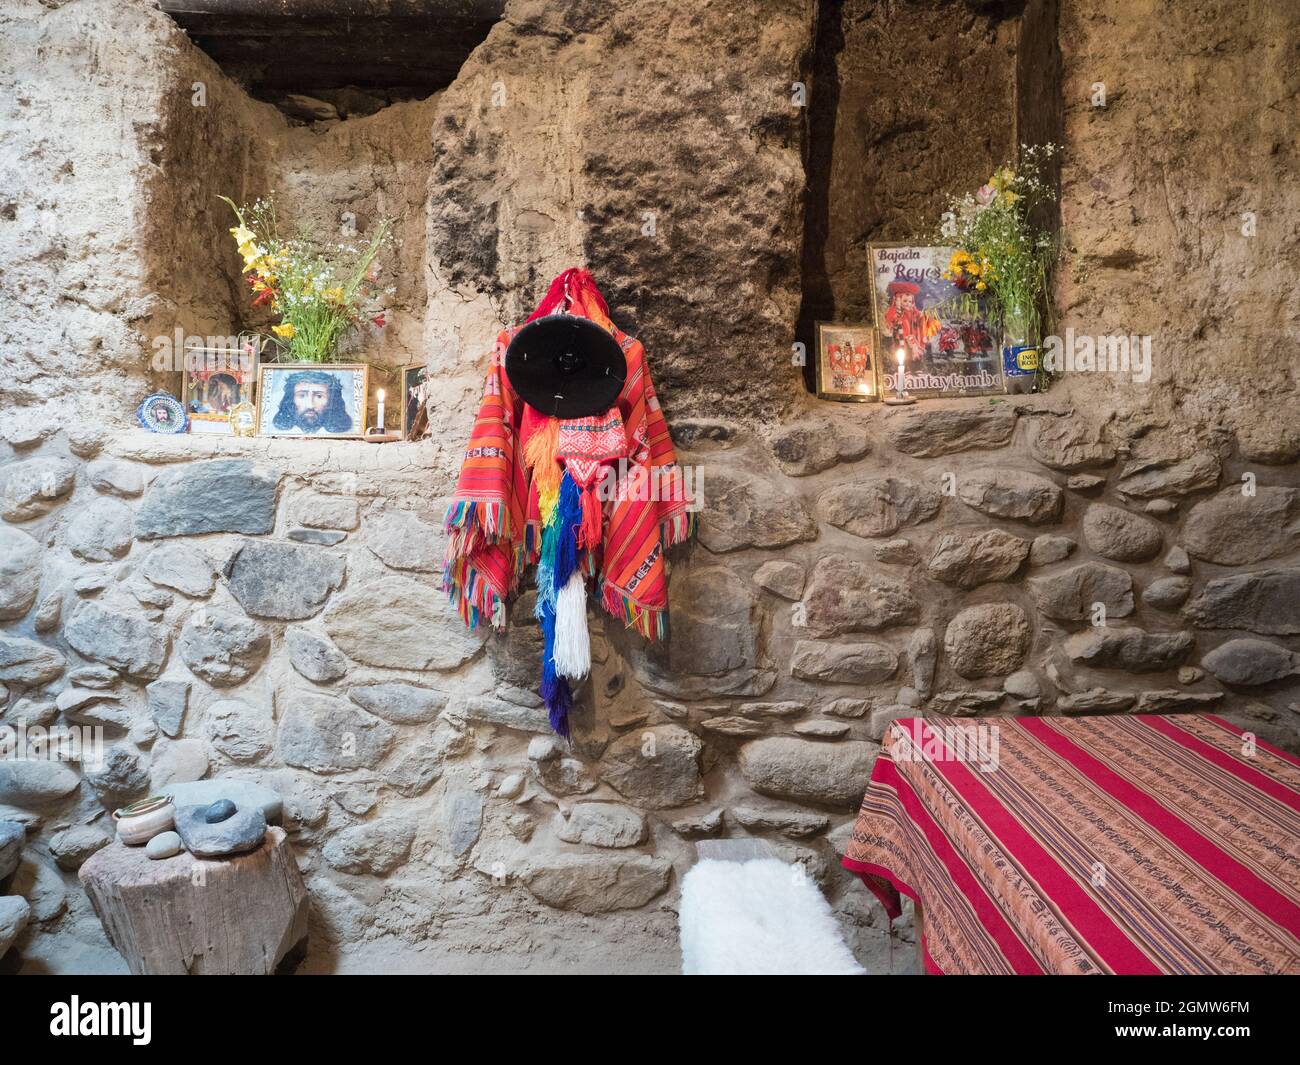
column 239, row 915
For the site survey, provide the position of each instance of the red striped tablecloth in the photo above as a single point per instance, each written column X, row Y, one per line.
column 1122, row 844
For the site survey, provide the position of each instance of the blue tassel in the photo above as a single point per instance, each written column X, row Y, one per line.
column 569, row 515
column 554, row 688
column 558, row 705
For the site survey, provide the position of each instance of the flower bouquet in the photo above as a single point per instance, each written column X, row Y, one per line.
column 320, row 291
column 1003, row 257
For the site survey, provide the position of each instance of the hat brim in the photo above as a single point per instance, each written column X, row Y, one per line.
column 565, row 366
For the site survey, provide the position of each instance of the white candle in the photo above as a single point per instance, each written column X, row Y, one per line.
column 901, row 372
column 381, row 410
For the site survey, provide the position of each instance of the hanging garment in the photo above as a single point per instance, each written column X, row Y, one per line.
column 593, row 500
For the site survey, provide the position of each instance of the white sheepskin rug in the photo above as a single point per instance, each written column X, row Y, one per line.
column 759, row 917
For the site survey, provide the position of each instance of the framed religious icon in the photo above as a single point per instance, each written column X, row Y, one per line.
column 846, row 362
column 311, row 399
column 162, row 413
column 948, row 347
column 216, row 380
column 414, row 394
column 243, row 419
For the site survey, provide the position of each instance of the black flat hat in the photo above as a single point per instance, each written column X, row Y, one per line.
column 565, row 366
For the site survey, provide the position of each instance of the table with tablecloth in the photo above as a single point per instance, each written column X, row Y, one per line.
column 1113, row 844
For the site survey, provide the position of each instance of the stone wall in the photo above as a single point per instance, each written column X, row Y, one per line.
column 268, row 610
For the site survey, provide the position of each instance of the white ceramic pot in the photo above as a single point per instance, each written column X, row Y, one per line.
column 138, row 823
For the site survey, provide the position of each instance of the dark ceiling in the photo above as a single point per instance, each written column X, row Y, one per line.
column 396, row 48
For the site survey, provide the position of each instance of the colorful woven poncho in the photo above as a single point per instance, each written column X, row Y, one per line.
column 593, row 501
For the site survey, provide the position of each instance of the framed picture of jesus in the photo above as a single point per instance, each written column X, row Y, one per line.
column 949, row 348
column 310, row 399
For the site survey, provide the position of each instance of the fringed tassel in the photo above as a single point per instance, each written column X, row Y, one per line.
column 554, row 688
column 545, row 591
column 546, row 568
column 572, row 651
column 547, row 500
column 557, row 550
column 559, row 701
column 568, row 518
column 650, row 622
column 472, row 596
column 589, row 533
column 474, row 523
column 539, row 456
column 678, row 529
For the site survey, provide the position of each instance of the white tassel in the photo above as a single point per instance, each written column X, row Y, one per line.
column 572, row 651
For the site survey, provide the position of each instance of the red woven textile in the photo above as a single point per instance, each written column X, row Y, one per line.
column 1122, row 844
column 493, row 518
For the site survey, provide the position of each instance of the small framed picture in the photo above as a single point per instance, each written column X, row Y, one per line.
column 218, row 379
column 846, row 362
column 312, row 399
column 414, row 394
column 243, row 420
column 947, row 344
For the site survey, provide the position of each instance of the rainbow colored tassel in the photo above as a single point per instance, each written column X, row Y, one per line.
column 561, row 513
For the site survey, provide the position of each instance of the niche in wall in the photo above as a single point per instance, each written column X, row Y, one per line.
column 337, row 156
column 912, row 101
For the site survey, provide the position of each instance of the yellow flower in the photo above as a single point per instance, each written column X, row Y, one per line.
column 243, row 235
column 284, row 329
column 334, row 295
column 981, row 286
column 974, row 269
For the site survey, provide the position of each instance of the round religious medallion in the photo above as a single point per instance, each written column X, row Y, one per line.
column 565, row 366
column 162, row 413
